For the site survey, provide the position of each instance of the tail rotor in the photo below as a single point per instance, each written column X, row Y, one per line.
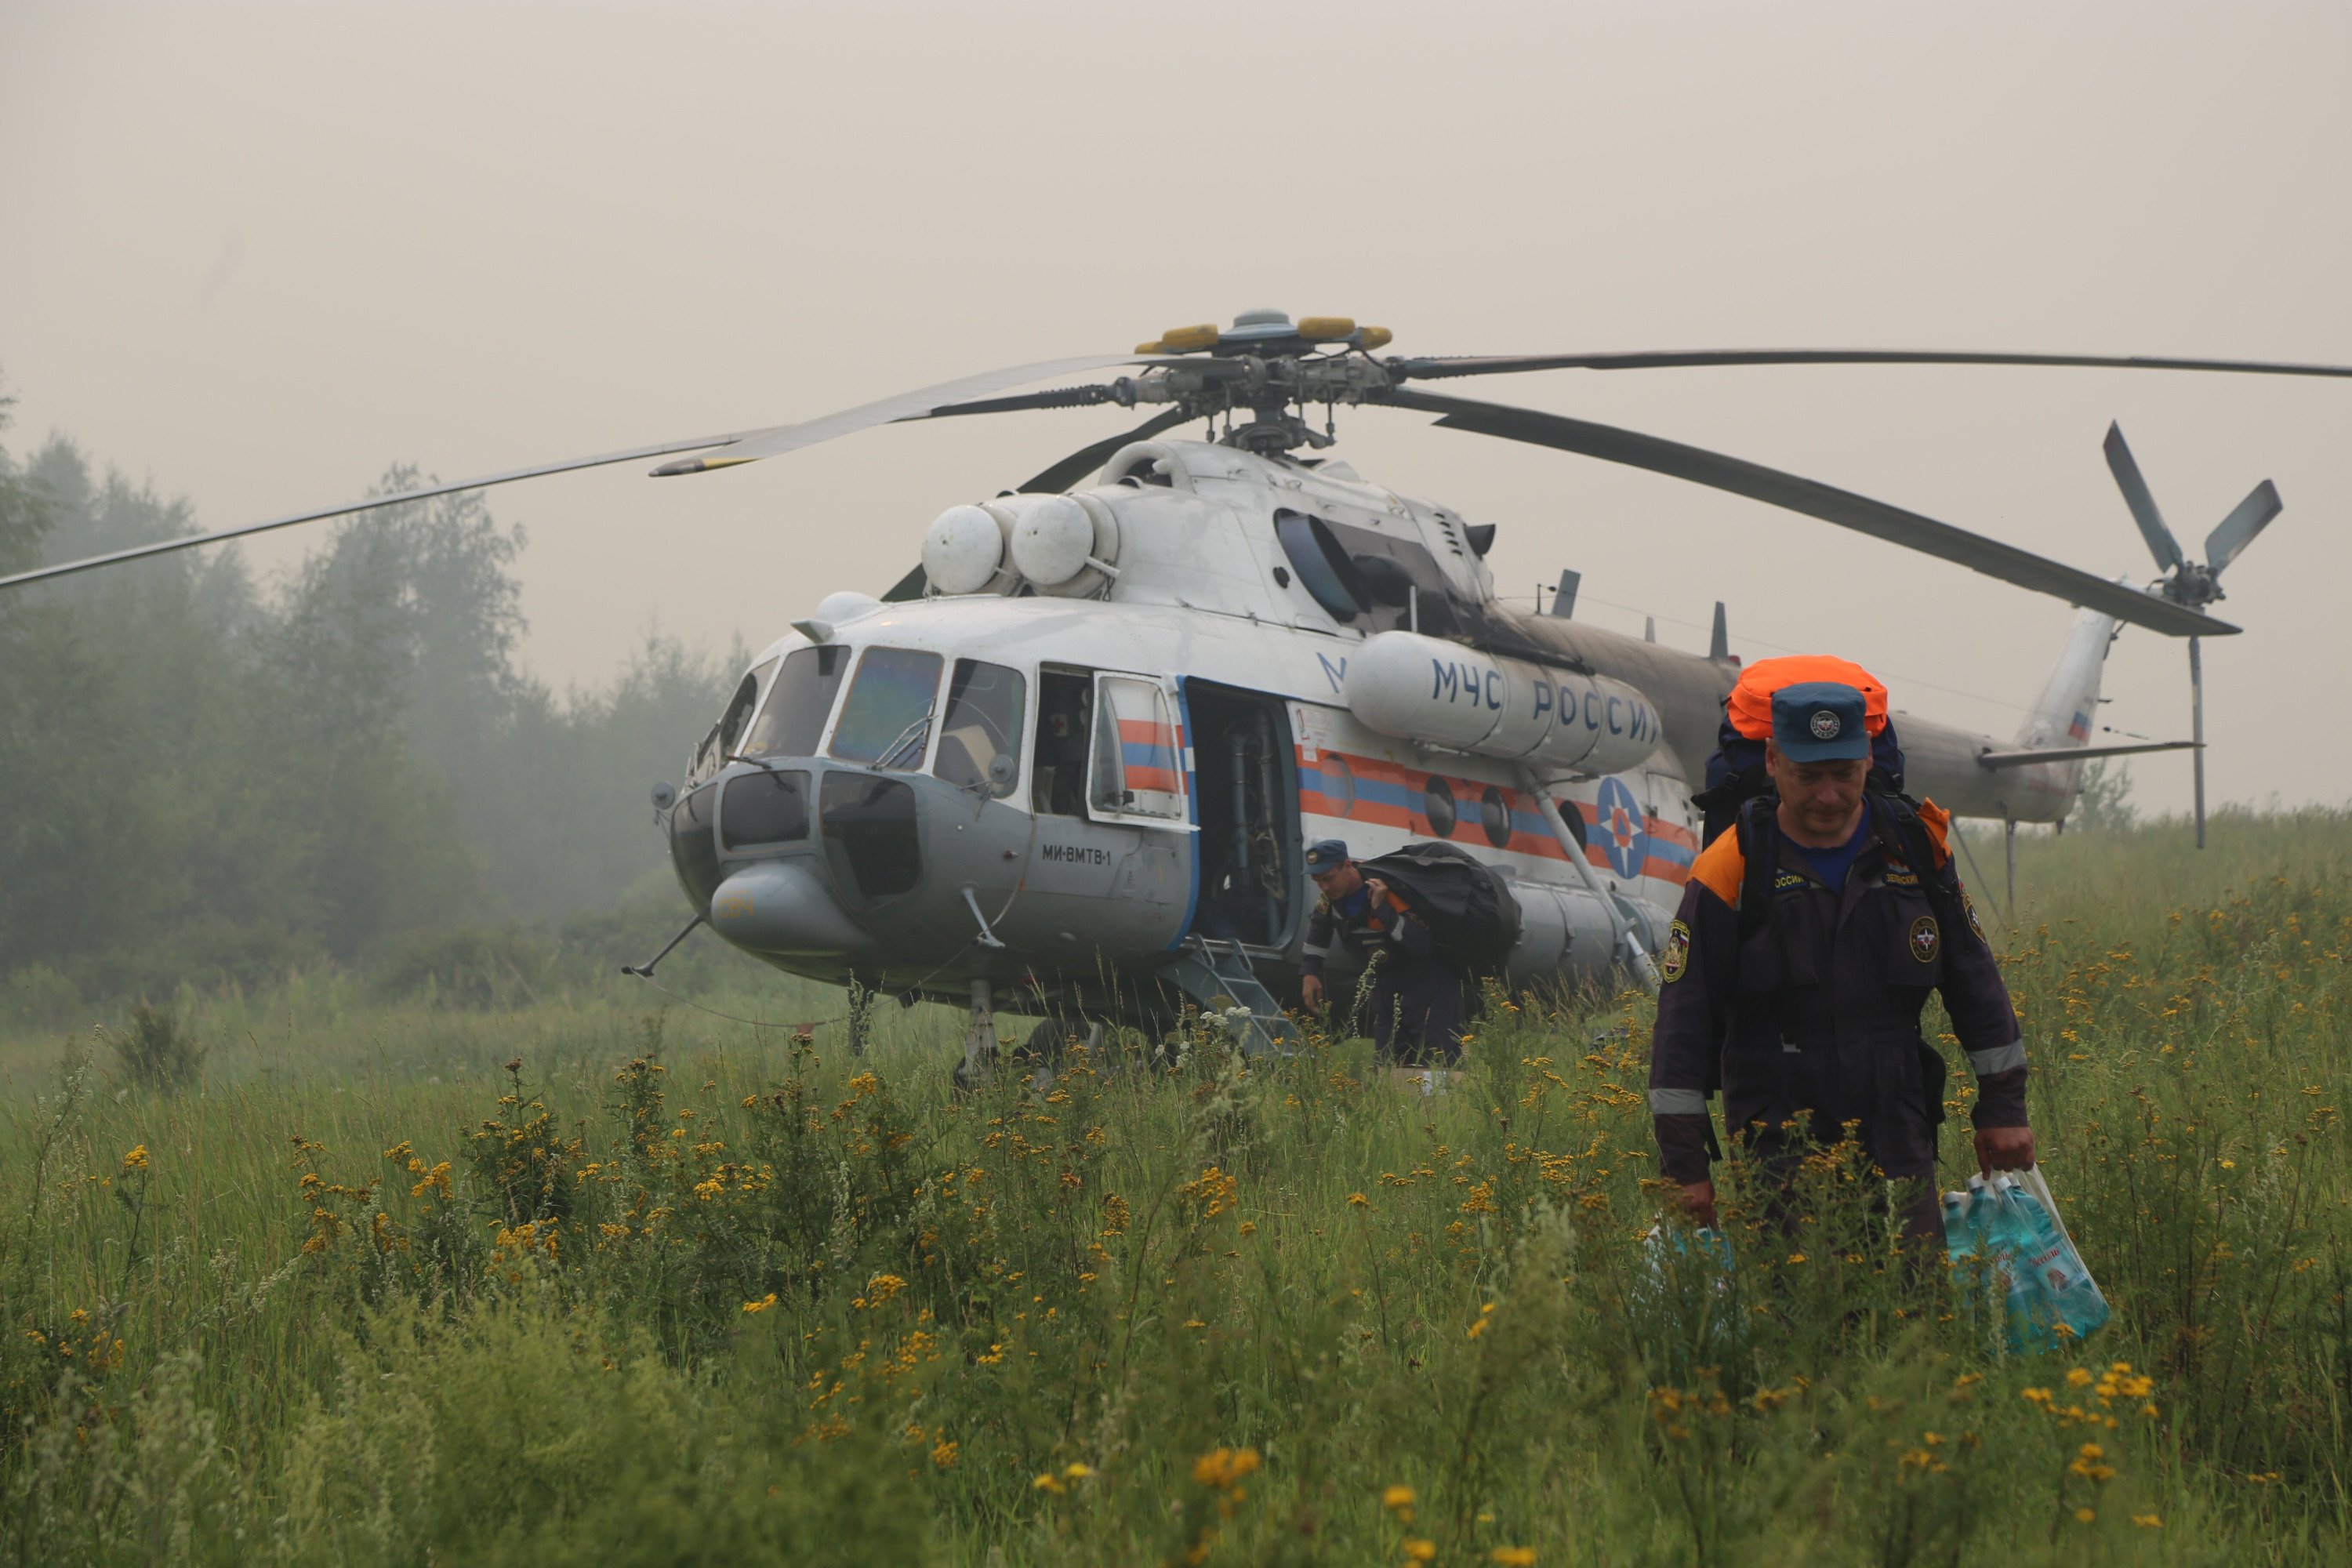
column 2187, row 582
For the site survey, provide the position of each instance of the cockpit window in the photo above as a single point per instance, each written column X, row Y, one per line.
column 798, row 702
column 887, row 720
column 739, row 708
column 979, row 740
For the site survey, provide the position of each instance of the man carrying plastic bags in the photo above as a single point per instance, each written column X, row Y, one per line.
column 1810, row 937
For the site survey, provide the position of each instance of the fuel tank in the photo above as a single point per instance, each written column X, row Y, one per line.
column 1425, row 689
column 1564, row 933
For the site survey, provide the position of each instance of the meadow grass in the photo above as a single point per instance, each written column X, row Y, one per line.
column 675, row 1289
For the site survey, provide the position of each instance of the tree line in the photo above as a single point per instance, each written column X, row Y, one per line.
column 204, row 777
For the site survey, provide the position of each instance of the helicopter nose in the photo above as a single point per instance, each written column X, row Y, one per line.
column 784, row 906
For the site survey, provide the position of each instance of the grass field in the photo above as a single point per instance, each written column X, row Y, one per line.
column 673, row 1289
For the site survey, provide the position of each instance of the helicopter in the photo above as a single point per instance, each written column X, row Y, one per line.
column 1067, row 766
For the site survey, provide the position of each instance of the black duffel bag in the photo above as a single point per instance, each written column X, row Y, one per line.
column 1467, row 904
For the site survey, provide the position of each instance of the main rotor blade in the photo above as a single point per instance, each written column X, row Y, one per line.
column 2136, row 496
column 2229, row 540
column 924, row 403
column 1845, row 509
column 1085, row 396
column 1507, row 364
column 424, row 492
column 736, row 447
column 1087, row 459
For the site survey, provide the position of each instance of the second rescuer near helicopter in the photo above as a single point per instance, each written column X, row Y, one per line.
column 1808, row 1010
column 1418, row 1001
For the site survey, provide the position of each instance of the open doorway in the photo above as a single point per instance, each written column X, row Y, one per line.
column 1246, row 796
column 1058, row 776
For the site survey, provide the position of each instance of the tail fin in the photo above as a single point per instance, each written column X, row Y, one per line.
column 2069, row 705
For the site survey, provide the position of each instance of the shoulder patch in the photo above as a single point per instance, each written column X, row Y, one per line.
column 1974, row 924
column 1897, row 877
column 1926, row 938
column 1676, row 958
column 1721, row 868
column 1784, row 880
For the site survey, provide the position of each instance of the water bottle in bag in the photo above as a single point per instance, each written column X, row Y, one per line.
column 2011, row 1228
column 2067, row 1294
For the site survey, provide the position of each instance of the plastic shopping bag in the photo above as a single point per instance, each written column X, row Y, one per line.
column 2008, row 1232
column 2068, row 1293
column 1685, row 1300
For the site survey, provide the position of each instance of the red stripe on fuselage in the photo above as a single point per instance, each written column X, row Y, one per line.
column 1378, row 807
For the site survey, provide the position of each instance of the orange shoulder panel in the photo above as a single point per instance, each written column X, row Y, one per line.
column 1939, row 823
column 1721, row 868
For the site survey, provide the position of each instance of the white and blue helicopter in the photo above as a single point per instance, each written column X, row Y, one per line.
column 1067, row 766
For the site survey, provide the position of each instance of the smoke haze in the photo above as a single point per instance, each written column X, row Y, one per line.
column 258, row 253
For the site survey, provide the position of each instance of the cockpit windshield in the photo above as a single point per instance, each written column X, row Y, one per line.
column 798, row 703
column 887, row 720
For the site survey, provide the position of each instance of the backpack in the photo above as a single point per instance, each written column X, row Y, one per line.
column 1467, row 904
column 1735, row 774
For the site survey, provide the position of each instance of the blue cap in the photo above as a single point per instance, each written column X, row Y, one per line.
column 1325, row 856
column 1820, row 722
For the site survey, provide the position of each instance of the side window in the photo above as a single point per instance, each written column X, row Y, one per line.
column 799, row 700
column 739, row 708
column 885, row 722
column 980, row 739
column 1138, row 763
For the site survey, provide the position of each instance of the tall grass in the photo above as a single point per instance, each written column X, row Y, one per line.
column 408, row 1284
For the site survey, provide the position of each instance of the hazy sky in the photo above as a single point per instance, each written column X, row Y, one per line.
column 258, row 253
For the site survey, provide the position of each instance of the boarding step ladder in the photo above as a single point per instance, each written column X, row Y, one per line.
column 1219, row 977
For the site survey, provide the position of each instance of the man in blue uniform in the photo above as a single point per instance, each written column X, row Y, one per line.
column 1416, row 999
column 1794, row 975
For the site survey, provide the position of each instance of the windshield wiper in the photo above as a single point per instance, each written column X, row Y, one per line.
column 918, row 731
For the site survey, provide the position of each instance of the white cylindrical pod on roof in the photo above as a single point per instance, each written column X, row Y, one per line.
column 1424, row 689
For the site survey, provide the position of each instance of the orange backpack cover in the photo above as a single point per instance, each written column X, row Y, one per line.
column 1750, row 707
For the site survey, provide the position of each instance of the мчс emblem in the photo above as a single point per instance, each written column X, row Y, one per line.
column 1926, row 939
column 1676, row 958
column 1974, row 924
column 1825, row 725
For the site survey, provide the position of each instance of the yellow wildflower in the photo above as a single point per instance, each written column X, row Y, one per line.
column 1222, row 1467
column 1417, row 1551
column 136, row 1160
column 1515, row 1556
